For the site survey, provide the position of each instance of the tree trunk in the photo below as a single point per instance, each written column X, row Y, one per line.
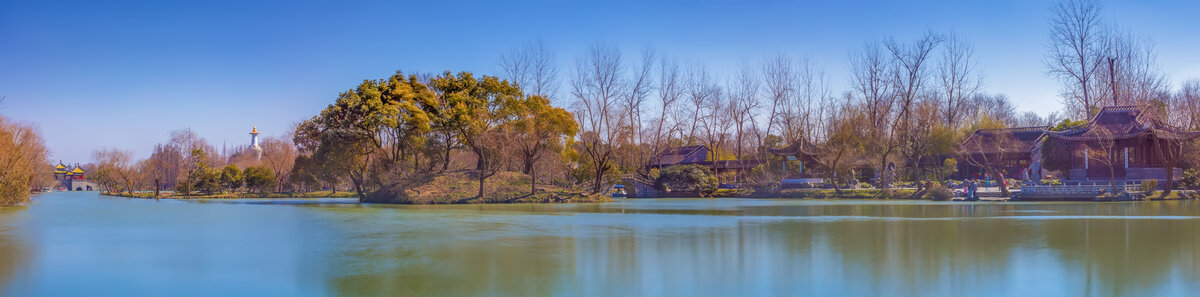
column 480, row 196
column 837, row 189
column 357, row 180
column 532, row 182
column 446, row 160
column 599, row 177
column 1000, row 181
column 1170, row 181
column 917, row 176
column 1112, row 178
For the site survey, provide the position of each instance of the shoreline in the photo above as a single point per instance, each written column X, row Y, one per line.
column 317, row 194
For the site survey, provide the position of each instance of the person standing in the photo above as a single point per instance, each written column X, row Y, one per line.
column 973, row 193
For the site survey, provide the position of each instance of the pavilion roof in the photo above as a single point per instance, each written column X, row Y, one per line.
column 1020, row 139
column 681, row 155
column 1123, row 122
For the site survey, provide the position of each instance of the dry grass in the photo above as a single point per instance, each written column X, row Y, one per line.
column 462, row 186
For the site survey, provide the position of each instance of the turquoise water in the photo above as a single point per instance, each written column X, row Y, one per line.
column 81, row 244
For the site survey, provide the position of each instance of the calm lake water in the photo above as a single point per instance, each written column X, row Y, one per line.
column 81, row 244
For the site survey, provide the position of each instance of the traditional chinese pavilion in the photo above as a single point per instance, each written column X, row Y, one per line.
column 1135, row 142
column 698, row 155
column 72, row 178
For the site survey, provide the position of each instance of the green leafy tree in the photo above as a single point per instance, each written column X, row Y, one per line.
column 259, row 178
column 476, row 110
column 1067, row 124
column 231, row 177
column 539, row 129
column 687, row 178
column 208, row 181
column 304, row 173
column 380, row 119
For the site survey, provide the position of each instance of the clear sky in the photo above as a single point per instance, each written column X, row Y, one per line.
column 123, row 74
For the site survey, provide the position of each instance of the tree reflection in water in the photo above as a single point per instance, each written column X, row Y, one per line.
column 14, row 254
column 867, row 249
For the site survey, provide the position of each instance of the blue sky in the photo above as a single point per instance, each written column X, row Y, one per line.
column 122, row 74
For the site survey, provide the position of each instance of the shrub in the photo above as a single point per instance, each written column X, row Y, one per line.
column 1149, row 185
column 208, row 181
column 231, row 177
column 687, row 178
column 1014, row 183
column 1190, row 179
column 258, row 178
column 938, row 193
column 1052, row 182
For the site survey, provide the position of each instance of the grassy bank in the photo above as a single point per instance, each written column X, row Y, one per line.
column 1175, row 195
column 171, row 195
column 462, row 187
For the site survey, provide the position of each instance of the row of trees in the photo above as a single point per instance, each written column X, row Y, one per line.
column 23, row 155
column 908, row 100
column 186, row 163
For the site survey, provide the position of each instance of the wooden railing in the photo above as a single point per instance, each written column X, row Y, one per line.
column 1089, row 189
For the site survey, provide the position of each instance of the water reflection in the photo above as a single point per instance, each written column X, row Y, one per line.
column 788, row 248
column 13, row 253
column 674, row 247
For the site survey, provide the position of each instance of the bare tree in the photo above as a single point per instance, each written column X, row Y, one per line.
column 1029, row 119
column 1104, row 150
column 279, row 155
column 811, row 89
column 1184, row 107
column 873, row 88
column 996, row 107
column 166, row 162
column 743, row 102
column 923, row 140
column 670, row 90
column 957, row 79
column 700, row 90
column 714, row 122
column 532, row 67
column 632, row 103
column 779, row 83
column 598, row 85
column 1173, row 149
column 115, row 170
column 1075, row 52
column 1131, row 74
column 911, row 71
column 845, row 140
column 988, row 149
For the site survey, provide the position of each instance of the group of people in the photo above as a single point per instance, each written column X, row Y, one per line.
column 971, row 190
